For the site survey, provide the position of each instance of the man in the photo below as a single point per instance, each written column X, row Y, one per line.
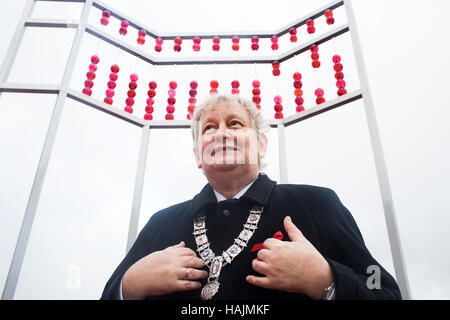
column 243, row 236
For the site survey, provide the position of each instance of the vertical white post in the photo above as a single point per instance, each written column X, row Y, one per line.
column 282, row 153
column 33, row 200
column 15, row 42
column 138, row 187
column 383, row 179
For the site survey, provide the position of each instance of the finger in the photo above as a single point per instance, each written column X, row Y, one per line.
column 269, row 243
column 259, row 266
column 293, row 232
column 263, row 255
column 192, row 262
column 185, row 252
column 178, row 245
column 186, row 285
column 262, row 282
column 193, row 274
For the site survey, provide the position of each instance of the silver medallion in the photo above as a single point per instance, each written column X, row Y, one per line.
column 210, row 289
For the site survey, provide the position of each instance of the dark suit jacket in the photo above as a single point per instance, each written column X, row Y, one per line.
column 316, row 211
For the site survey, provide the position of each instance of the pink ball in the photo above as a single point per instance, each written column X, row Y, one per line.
column 256, row 83
column 319, row 92
column 278, row 99
column 142, row 33
column 194, row 84
column 216, row 40
column 150, row 101
column 113, row 76
column 197, row 40
column 124, row 24
column 110, row 93
column 134, row 77
column 159, row 41
column 235, row 39
column 106, row 14
column 88, row 83
column 234, row 91
column 104, row 21
column 95, row 59
column 274, row 39
column 172, row 93
column 336, row 58
column 123, row 31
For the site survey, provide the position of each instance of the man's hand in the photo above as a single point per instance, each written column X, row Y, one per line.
column 294, row 266
column 163, row 272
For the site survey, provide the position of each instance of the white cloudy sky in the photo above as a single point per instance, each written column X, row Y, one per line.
column 80, row 230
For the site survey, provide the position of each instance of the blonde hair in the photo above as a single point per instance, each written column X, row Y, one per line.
column 258, row 122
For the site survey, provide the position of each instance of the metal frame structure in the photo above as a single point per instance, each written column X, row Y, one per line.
column 63, row 91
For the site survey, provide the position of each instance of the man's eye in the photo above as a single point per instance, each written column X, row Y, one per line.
column 234, row 122
column 207, row 128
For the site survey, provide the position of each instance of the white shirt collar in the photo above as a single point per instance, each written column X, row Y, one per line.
column 236, row 196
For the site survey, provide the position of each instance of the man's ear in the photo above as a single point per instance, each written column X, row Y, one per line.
column 262, row 145
column 198, row 158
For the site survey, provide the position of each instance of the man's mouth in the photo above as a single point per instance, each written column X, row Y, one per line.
column 223, row 149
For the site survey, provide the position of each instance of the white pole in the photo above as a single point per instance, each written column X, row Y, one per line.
column 383, row 179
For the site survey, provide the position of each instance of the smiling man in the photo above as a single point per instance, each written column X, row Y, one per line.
column 244, row 236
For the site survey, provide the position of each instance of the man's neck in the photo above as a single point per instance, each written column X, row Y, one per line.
column 230, row 186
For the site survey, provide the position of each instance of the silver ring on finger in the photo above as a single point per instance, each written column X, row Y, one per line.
column 186, row 276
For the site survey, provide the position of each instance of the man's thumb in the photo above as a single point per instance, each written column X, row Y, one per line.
column 293, row 232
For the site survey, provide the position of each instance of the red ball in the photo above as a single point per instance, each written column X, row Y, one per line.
column 113, row 76
column 109, row 93
column 111, row 84
column 311, row 30
column 191, row 109
column 151, row 93
column 197, row 40
column 115, row 68
column 95, row 59
column 108, row 100
column 192, row 92
column 87, row 91
column 342, row 92
column 235, row 39
column 173, row 85
column 235, row 47
column 124, row 24
column 170, row 109
column 129, row 101
column 131, row 93
column 171, row 101
column 141, row 40
column 293, row 38
column 169, row 116
column 274, row 46
column 276, row 72
column 278, row 115
column 300, row 108
column 192, row 100
column 299, row 101
column 330, row 20
column 255, row 46
column 278, row 108
column 123, row 31
column 177, row 48
column 92, row 67
column 338, row 67
column 256, row 92
column 90, row 75
column 216, row 47
column 340, row 84
column 293, row 31
column 148, row 116
column 196, row 47
column 158, row 48
column 320, row 100
column 310, row 22
column 194, row 84
column 216, row 40
column 142, row 33
column 339, row 75
column 314, row 48
column 297, row 76
column 149, row 109
column 104, row 21
column 106, row 14
column 132, row 85
column 328, row 13
column 88, row 83
column 255, row 39
column 336, row 58
column 256, row 99
column 316, row 64
column 235, row 84
column 276, row 65
column 298, row 84
column 178, row 40
column 315, row 56
column 214, row 84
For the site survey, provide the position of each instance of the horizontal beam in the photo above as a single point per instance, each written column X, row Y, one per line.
column 324, row 107
column 51, row 23
column 119, row 43
column 224, row 35
column 29, row 88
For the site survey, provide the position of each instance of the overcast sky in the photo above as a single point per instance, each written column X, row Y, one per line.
column 80, row 230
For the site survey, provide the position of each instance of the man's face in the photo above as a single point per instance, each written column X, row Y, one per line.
column 226, row 139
